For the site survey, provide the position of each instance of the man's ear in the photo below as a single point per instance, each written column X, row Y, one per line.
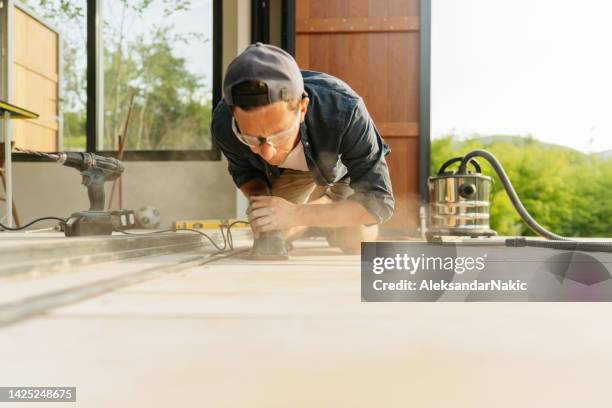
column 304, row 107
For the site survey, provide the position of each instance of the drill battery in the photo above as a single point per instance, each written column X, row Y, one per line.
column 89, row 223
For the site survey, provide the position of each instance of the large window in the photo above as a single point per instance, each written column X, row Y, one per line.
column 156, row 73
column 158, row 61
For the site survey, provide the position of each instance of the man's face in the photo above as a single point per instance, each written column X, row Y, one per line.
column 269, row 120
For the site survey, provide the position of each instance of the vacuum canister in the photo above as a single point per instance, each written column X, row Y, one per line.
column 459, row 202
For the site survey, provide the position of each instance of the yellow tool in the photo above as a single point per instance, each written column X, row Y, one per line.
column 205, row 224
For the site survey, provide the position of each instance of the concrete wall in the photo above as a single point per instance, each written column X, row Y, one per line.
column 180, row 190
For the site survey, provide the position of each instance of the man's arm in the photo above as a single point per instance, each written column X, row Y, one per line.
column 269, row 213
column 255, row 187
column 363, row 154
column 339, row 214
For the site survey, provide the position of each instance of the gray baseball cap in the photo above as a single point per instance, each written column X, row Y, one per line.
column 273, row 67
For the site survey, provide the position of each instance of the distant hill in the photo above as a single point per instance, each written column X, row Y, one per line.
column 522, row 140
column 517, row 141
column 606, row 155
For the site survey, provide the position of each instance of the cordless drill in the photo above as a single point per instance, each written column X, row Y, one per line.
column 95, row 170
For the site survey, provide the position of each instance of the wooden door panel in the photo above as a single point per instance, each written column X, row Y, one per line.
column 403, row 166
column 373, row 45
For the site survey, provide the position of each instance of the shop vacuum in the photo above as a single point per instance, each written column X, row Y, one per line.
column 459, row 203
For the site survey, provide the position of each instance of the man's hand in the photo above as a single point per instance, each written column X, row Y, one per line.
column 268, row 213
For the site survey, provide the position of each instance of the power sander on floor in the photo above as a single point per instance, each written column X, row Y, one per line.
column 95, row 171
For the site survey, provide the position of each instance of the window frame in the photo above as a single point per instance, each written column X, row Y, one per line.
column 95, row 93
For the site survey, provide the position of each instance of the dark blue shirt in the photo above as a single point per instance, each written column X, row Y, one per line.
column 339, row 140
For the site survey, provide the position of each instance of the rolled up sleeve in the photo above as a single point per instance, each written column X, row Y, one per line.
column 363, row 153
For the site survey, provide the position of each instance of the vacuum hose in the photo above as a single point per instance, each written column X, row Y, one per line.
column 558, row 241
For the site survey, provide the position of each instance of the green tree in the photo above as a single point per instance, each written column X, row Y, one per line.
column 170, row 109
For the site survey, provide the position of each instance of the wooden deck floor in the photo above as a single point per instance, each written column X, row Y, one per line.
column 238, row 333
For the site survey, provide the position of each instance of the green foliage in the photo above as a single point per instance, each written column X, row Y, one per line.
column 74, row 131
column 67, row 8
column 567, row 192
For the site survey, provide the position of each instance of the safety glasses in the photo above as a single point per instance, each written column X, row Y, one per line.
column 275, row 139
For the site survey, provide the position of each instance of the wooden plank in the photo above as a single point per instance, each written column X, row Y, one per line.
column 338, row 56
column 403, row 7
column 337, row 8
column 302, row 9
column 358, row 8
column 410, row 49
column 35, row 45
column 358, row 24
column 302, row 42
column 50, row 77
column 319, row 53
column 379, row 9
column 378, row 95
column 403, row 165
column 29, row 135
column 38, row 94
column 302, row 50
column 318, row 8
column 358, row 66
column 398, row 129
column 356, row 69
column 403, row 69
column 36, row 82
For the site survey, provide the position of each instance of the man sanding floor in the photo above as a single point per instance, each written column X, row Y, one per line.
column 303, row 148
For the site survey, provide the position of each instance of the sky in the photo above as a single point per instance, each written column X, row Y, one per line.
column 540, row 67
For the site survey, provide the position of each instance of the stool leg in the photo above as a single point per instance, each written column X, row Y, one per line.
column 3, row 184
column 8, row 168
column 15, row 216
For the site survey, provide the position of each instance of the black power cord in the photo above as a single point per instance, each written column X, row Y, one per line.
column 514, row 198
column 226, row 234
column 5, row 228
column 226, row 231
column 555, row 241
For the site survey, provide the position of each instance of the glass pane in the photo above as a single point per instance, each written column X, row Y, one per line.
column 157, row 74
column 39, row 67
